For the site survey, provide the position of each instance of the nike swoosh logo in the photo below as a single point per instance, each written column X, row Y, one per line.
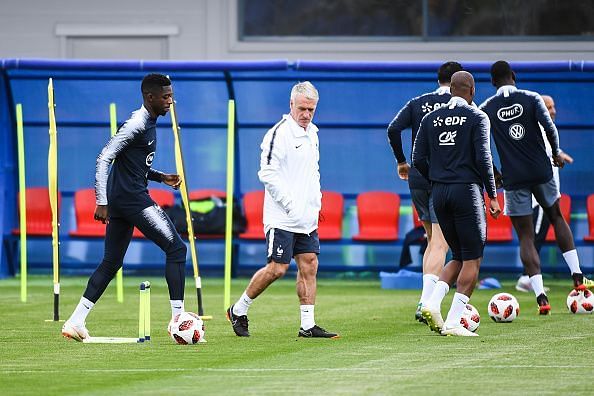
column 299, row 146
column 151, row 142
column 86, row 306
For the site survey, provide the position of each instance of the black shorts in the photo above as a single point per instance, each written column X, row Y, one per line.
column 284, row 245
column 424, row 204
column 460, row 209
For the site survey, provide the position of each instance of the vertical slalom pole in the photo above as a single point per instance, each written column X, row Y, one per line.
column 183, row 189
column 53, row 195
column 229, row 209
column 120, row 274
column 22, row 199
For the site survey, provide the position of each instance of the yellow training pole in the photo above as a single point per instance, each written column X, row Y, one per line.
column 52, row 167
column 229, row 209
column 183, row 189
column 22, row 199
column 120, row 274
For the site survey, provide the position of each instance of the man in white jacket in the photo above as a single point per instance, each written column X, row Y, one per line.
column 290, row 173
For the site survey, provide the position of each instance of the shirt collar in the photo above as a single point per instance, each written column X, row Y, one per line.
column 297, row 129
column 442, row 90
column 505, row 90
column 457, row 101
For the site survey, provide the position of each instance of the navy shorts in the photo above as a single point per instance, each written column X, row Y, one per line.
column 284, row 245
column 460, row 209
column 424, row 204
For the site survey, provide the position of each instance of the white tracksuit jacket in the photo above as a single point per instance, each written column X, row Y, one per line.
column 290, row 173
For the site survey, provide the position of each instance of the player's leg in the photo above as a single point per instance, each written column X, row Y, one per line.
column 471, row 229
column 154, row 223
column 518, row 205
column 306, row 250
column 541, row 225
column 279, row 253
column 117, row 238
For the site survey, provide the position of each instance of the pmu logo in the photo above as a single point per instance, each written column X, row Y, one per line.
column 447, row 138
column 510, row 112
column 149, row 158
column 516, row 131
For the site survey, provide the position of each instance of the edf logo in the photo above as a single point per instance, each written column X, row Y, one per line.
column 452, row 120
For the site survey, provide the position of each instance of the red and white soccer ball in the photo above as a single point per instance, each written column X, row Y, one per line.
column 186, row 328
column 471, row 319
column 503, row 307
column 580, row 302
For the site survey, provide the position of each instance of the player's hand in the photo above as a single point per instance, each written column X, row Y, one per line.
column 172, row 180
column 494, row 209
column 403, row 170
column 101, row 213
column 558, row 160
column 568, row 159
column 498, row 180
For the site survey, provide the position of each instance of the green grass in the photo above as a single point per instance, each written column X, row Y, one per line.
column 382, row 350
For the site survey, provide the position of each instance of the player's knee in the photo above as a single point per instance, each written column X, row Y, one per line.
column 177, row 251
column 276, row 270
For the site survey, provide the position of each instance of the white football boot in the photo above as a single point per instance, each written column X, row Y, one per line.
column 458, row 330
column 433, row 319
column 75, row 332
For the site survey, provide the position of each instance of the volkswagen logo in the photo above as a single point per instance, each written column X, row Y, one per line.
column 516, row 131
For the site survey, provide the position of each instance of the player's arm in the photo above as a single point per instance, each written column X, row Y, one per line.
column 544, row 118
column 273, row 153
column 484, row 162
column 402, row 121
column 421, row 152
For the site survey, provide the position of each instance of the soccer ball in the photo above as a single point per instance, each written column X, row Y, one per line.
column 580, row 302
column 186, row 328
column 471, row 319
column 503, row 307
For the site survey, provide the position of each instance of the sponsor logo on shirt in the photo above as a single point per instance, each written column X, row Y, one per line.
column 428, row 107
column 149, row 158
column 452, row 120
column 447, row 138
column 517, row 131
column 510, row 112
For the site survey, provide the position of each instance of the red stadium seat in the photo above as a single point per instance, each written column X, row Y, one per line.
column 378, row 213
column 500, row 229
column 84, row 211
column 253, row 207
column 330, row 222
column 197, row 195
column 590, row 210
column 163, row 198
column 39, row 211
column 416, row 220
column 565, row 204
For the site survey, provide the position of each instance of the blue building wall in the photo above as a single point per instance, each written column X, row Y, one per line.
column 357, row 101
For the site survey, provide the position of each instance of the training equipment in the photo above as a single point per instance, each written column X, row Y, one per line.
column 113, row 124
column 229, row 213
column 471, row 319
column 52, row 172
column 144, row 322
column 503, row 307
column 186, row 328
column 22, row 199
column 183, row 190
column 580, row 301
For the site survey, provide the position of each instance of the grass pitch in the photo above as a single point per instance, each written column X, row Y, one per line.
column 382, row 350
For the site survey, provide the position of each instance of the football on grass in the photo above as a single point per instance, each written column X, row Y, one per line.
column 470, row 318
column 186, row 328
column 503, row 307
column 580, row 302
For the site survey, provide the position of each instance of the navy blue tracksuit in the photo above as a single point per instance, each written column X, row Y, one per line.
column 452, row 150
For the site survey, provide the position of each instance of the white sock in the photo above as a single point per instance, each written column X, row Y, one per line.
column 457, row 309
column 439, row 292
column 242, row 305
column 429, row 281
column 307, row 316
column 537, row 284
column 572, row 260
column 79, row 316
column 177, row 307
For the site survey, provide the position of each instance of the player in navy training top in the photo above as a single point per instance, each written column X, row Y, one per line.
column 410, row 117
column 526, row 168
column 452, row 150
column 123, row 203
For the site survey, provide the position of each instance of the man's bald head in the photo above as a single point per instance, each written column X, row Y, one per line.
column 463, row 85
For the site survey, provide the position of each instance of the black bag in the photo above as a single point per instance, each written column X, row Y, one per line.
column 211, row 222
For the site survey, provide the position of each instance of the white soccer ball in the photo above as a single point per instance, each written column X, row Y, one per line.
column 580, row 302
column 186, row 328
column 503, row 307
column 471, row 319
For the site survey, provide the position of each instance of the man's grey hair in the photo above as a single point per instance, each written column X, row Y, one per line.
column 306, row 89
